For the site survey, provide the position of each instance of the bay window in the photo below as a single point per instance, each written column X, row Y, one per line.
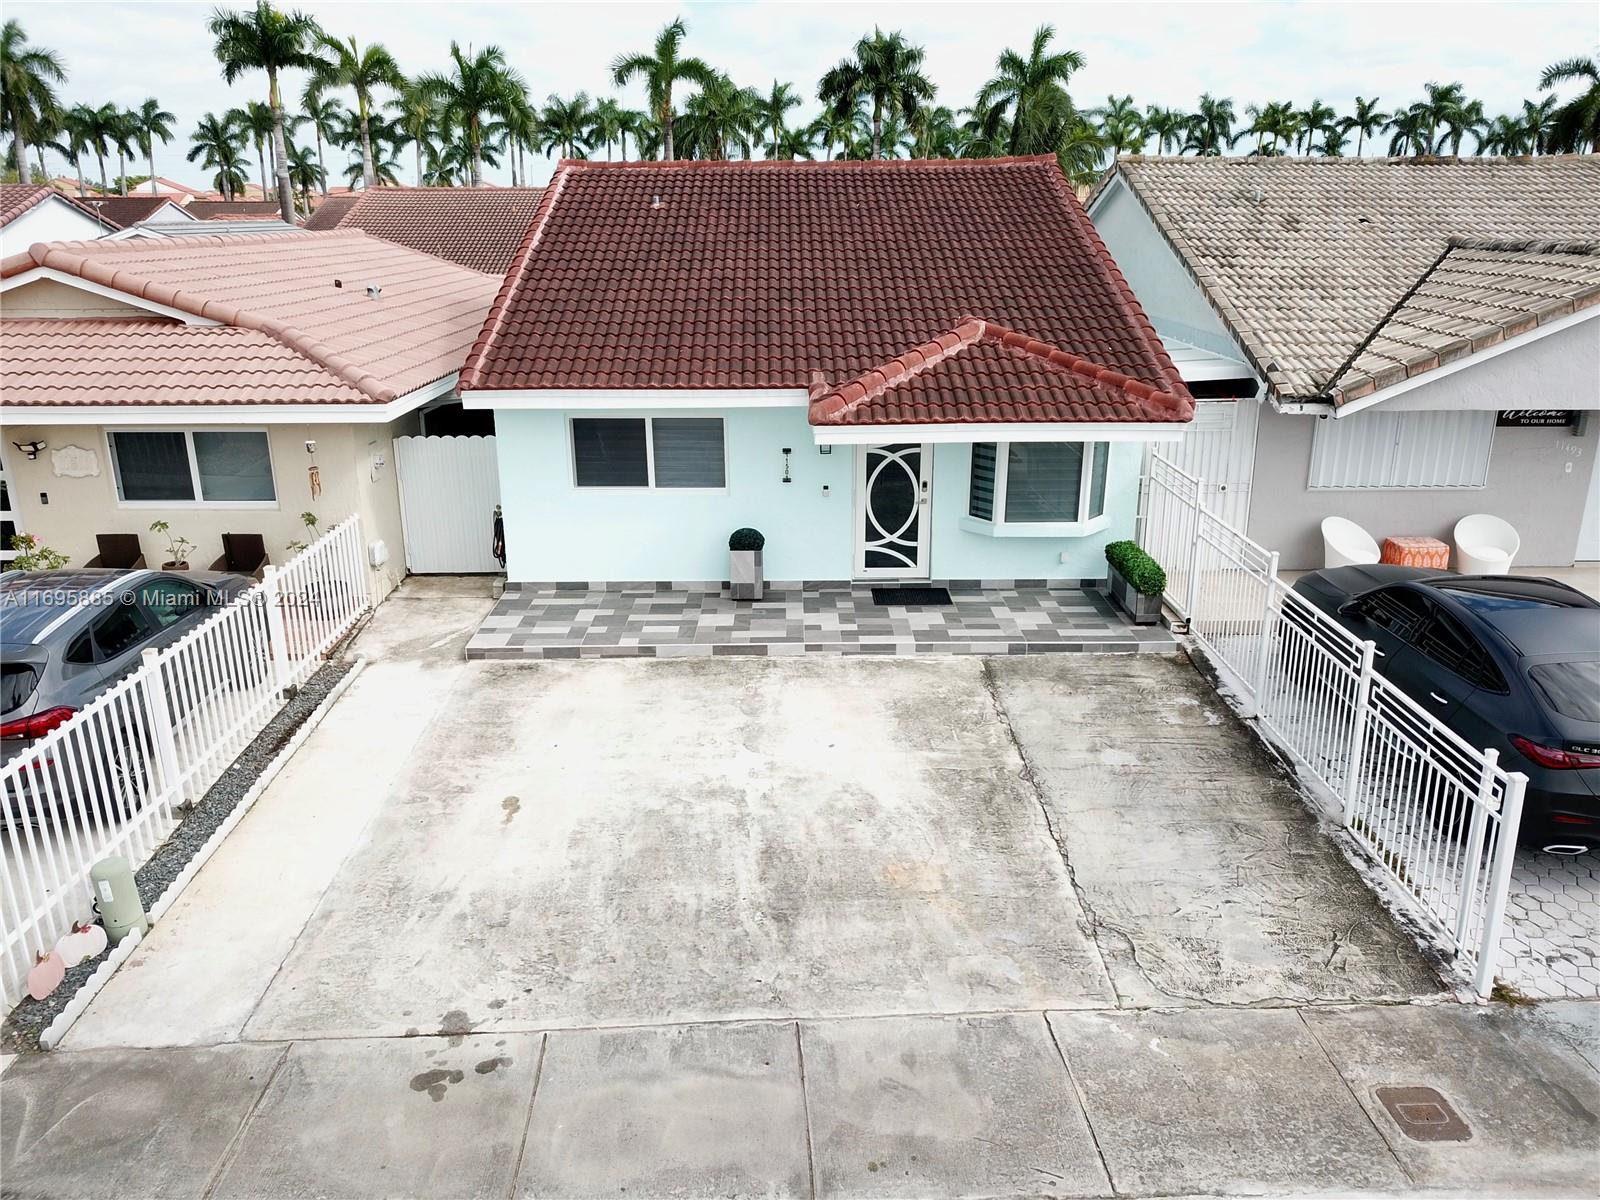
column 231, row 467
column 1038, row 489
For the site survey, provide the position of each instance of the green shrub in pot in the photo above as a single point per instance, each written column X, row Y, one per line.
column 1136, row 581
column 744, row 563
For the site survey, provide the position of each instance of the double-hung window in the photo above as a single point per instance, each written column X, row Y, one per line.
column 199, row 466
column 648, row 452
column 1038, row 489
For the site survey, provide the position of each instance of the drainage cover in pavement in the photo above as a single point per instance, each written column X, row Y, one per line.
column 1423, row 1114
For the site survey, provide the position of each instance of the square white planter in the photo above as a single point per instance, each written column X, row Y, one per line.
column 744, row 574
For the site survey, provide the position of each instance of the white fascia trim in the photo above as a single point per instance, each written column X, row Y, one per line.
column 1460, row 364
column 96, row 289
column 877, row 435
column 225, row 414
column 587, row 399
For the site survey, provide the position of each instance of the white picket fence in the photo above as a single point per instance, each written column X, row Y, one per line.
column 1438, row 816
column 112, row 779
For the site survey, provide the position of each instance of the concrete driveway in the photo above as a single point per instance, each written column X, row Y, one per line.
column 791, row 926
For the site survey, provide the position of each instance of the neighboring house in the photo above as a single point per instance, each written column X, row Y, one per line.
column 479, row 228
column 162, row 186
column 37, row 213
column 125, row 212
column 232, row 210
column 1416, row 340
column 223, row 384
column 194, row 228
column 894, row 370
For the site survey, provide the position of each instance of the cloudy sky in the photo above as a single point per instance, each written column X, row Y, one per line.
column 1163, row 54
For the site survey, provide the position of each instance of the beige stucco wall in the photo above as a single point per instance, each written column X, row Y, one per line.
column 66, row 512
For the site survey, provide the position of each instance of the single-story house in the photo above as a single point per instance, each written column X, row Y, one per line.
column 224, row 384
column 893, row 370
column 233, row 210
column 36, row 213
column 1401, row 342
column 126, row 212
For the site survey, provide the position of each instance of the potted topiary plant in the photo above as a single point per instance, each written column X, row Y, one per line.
column 178, row 548
column 744, row 564
column 1136, row 582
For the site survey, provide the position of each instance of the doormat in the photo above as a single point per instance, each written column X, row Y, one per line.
column 911, row 595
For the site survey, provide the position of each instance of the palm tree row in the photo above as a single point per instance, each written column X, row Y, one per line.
column 877, row 102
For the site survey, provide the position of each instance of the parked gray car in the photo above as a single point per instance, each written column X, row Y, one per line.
column 66, row 636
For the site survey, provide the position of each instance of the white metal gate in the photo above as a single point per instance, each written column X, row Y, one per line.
column 1220, row 447
column 449, row 487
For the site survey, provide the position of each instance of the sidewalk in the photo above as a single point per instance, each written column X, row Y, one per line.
column 1087, row 1103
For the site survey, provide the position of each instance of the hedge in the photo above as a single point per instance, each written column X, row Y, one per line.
column 746, row 539
column 1143, row 573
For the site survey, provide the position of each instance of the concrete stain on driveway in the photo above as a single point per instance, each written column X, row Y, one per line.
column 696, row 840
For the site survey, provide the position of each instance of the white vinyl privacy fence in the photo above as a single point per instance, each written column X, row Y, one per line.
column 112, row 779
column 1437, row 815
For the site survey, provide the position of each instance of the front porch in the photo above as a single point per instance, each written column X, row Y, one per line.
column 664, row 620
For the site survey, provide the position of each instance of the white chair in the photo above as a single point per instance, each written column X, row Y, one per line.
column 1346, row 544
column 1485, row 545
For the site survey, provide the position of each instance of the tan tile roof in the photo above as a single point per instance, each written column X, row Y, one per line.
column 1305, row 258
column 305, row 291
column 480, row 228
column 132, row 363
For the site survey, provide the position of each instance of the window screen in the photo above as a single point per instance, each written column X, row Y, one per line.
column 233, row 465
column 609, row 452
column 152, row 466
column 1043, row 481
column 980, row 497
column 688, row 452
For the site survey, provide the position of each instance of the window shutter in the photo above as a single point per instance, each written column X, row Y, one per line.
column 689, row 452
column 1377, row 449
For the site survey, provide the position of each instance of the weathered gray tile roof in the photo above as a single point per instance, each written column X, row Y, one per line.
column 1329, row 271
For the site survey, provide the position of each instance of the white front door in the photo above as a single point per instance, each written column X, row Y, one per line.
column 893, row 486
column 10, row 523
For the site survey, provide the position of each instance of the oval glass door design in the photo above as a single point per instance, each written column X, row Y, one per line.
column 892, row 490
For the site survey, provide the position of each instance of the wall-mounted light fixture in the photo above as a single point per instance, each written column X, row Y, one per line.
column 825, row 448
column 31, row 449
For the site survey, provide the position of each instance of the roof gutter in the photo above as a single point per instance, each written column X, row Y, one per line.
column 1000, row 431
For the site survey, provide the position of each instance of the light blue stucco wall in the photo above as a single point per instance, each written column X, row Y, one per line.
column 555, row 531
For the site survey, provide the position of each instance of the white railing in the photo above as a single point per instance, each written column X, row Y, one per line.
column 1439, row 817
column 113, row 778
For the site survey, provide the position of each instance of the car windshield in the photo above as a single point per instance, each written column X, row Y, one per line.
column 1507, row 596
column 1571, row 688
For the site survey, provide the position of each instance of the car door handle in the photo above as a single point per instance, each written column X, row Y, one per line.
column 1438, row 698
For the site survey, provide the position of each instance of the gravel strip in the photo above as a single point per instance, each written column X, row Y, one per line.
column 20, row 1033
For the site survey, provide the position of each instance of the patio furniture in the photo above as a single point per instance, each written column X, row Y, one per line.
column 1485, row 545
column 119, row 550
column 243, row 554
column 1416, row 551
column 1346, row 544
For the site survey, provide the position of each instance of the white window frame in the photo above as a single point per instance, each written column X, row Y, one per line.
column 1000, row 527
column 194, row 468
column 649, row 454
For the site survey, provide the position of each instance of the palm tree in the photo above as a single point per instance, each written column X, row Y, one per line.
column 1334, row 140
column 564, row 125
column 324, row 115
column 265, row 39
column 479, row 89
column 345, row 65
column 1318, row 118
column 417, row 115
column 1506, row 135
column 1121, row 126
column 795, row 143
column 77, row 129
column 1275, row 120
column 1166, row 125
column 774, row 108
column 719, row 117
column 887, row 71
column 985, row 133
column 305, row 172
column 1210, row 126
column 608, row 124
column 217, row 143
column 27, row 78
column 1443, row 104
column 834, row 128
column 150, row 121
column 385, row 170
column 1412, row 129
column 1539, row 120
column 1458, row 121
column 256, row 121
column 1366, row 121
column 660, row 71
column 1575, row 126
column 1079, row 151
column 1033, row 90
column 106, row 125
column 936, row 132
column 124, row 136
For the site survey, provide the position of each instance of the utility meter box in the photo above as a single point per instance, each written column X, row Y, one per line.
column 377, row 552
column 116, row 898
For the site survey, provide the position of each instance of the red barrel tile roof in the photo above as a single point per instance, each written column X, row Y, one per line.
column 981, row 372
column 757, row 275
column 305, row 292
column 480, row 228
